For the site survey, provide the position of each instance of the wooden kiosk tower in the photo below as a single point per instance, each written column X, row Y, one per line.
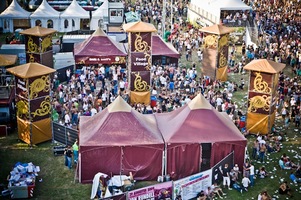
column 32, row 81
column 139, row 60
column 215, row 51
column 38, row 45
column 262, row 95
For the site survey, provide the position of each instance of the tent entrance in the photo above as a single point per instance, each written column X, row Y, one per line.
column 205, row 156
column 21, row 23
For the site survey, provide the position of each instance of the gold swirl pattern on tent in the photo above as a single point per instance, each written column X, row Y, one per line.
column 38, row 85
column 22, row 109
column 223, row 41
column 32, row 47
column 139, row 84
column 259, row 102
column 222, row 60
column 31, row 57
column 46, row 42
column 45, row 108
column 261, row 85
column 142, row 46
column 211, row 41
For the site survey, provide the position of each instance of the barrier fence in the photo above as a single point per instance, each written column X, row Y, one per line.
column 63, row 134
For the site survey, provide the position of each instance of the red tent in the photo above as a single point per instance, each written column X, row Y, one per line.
column 161, row 48
column 120, row 140
column 186, row 129
column 99, row 49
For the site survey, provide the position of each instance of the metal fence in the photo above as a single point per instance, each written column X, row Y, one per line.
column 63, row 134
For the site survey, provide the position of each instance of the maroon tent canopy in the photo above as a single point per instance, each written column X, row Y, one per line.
column 120, row 140
column 161, row 48
column 99, row 49
column 185, row 129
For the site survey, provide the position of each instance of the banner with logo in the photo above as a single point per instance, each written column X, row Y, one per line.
column 162, row 191
column 188, row 188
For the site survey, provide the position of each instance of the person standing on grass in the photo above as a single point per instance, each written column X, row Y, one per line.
column 75, row 151
column 68, row 154
column 226, row 176
column 252, row 174
column 245, row 183
column 262, row 150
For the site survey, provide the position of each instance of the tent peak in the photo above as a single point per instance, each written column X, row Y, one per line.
column 199, row 102
column 38, row 31
column 119, row 105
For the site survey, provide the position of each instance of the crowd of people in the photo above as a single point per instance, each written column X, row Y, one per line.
column 173, row 85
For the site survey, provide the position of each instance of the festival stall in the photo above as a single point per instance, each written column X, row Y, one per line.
column 200, row 130
column 216, row 51
column 45, row 16
column 72, row 18
column 163, row 52
column 99, row 49
column 100, row 16
column 120, row 140
column 262, row 95
column 13, row 17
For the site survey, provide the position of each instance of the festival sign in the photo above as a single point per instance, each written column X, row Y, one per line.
column 22, row 106
column 140, row 81
column 39, row 86
column 162, row 191
column 37, row 44
column 140, row 62
column 40, row 108
column 261, row 82
column 33, row 57
column 141, row 42
column 21, row 87
column 188, row 188
column 223, row 51
column 259, row 103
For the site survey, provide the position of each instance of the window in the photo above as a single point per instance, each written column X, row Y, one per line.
column 66, row 23
column 73, row 23
column 49, row 23
column 38, row 23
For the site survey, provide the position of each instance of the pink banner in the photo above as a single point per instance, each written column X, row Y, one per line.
column 159, row 191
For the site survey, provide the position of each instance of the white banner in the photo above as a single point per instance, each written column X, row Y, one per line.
column 190, row 186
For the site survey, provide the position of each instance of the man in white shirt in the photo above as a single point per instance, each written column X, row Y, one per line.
column 245, row 183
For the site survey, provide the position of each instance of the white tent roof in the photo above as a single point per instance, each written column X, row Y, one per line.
column 15, row 11
column 45, row 11
column 101, row 10
column 229, row 5
column 74, row 10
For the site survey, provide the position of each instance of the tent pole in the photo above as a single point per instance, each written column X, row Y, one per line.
column 165, row 159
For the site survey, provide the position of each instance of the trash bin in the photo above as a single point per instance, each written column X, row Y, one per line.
column 153, row 101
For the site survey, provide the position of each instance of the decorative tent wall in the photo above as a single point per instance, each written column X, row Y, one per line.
column 120, row 140
column 14, row 17
column 45, row 16
column 71, row 18
column 188, row 128
column 100, row 16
